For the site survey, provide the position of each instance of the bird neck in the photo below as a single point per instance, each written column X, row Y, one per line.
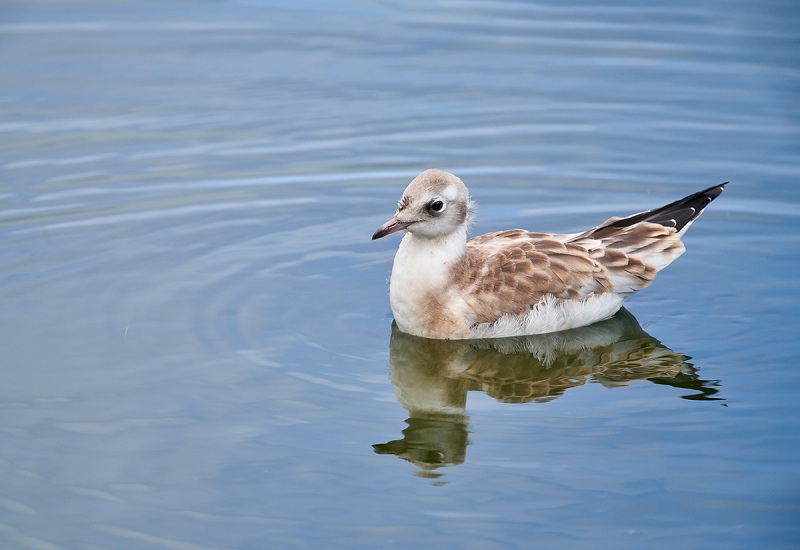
column 441, row 251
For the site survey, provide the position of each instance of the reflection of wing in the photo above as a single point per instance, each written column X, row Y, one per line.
column 432, row 377
column 519, row 377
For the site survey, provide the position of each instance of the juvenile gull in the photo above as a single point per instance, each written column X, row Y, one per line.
column 515, row 282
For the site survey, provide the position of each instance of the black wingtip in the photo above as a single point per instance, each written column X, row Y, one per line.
column 675, row 214
column 687, row 209
column 712, row 192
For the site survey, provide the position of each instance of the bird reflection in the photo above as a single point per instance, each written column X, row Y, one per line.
column 432, row 378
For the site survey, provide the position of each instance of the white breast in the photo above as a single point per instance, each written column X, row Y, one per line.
column 422, row 269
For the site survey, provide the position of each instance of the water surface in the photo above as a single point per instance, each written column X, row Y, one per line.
column 198, row 348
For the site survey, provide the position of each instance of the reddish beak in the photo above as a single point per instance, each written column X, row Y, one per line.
column 392, row 226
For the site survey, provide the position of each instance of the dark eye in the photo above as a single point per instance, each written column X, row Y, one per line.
column 437, row 206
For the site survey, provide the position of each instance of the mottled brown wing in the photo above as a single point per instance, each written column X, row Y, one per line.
column 510, row 271
column 632, row 255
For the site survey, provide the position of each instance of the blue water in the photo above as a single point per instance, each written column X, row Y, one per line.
column 196, row 334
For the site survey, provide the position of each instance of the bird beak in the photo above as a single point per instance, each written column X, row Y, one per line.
column 392, row 226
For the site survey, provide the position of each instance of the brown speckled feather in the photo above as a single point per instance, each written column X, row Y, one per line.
column 512, row 272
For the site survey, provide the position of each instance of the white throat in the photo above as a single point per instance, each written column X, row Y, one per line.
column 438, row 251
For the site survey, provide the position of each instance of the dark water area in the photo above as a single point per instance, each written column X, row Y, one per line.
column 198, row 349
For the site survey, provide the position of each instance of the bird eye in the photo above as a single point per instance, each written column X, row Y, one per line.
column 437, row 206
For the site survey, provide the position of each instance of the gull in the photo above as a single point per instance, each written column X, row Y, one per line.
column 517, row 282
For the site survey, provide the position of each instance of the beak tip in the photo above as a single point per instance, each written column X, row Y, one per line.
column 392, row 226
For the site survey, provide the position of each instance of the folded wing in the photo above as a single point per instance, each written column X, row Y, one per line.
column 509, row 272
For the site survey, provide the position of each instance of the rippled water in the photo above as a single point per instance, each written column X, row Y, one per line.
column 198, row 350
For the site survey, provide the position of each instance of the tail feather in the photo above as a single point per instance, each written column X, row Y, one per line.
column 678, row 214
